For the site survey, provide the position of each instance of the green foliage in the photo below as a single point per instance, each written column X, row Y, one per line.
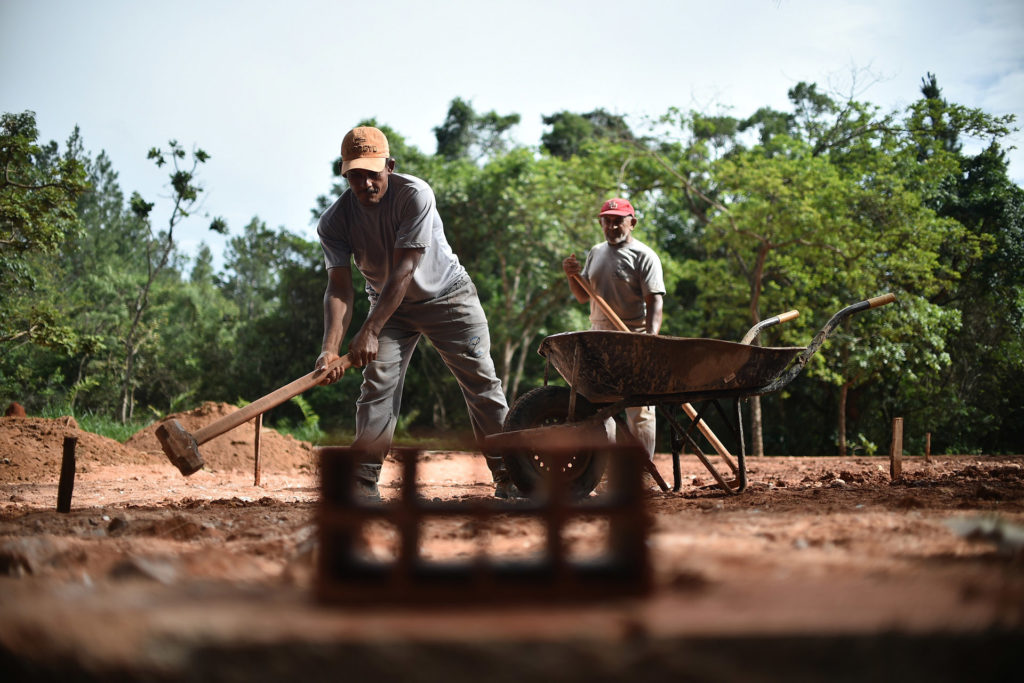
column 38, row 190
column 308, row 429
column 863, row 445
column 103, row 424
column 571, row 133
column 512, row 222
column 812, row 208
column 466, row 134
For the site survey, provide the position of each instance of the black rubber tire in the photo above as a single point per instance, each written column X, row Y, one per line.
column 541, row 407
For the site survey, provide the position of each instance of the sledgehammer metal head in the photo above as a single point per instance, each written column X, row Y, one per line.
column 180, row 447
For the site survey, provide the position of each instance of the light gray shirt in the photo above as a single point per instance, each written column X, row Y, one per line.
column 405, row 218
column 623, row 277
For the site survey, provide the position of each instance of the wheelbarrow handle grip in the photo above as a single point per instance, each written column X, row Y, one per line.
column 881, row 300
column 768, row 322
column 788, row 315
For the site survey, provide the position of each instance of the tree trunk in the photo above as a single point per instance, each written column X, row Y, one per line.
column 841, row 423
column 440, row 415
column 844, row 392
column 507, row 352
column 756, row 434
column 756, row 428
column 126, row 382
column 524, row 346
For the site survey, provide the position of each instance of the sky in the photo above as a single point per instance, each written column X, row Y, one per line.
column 269, row 89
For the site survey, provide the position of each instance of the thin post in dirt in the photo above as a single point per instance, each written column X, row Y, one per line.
column 928, row 447
column 896, row 450
column 66, row 484
column 256, row 450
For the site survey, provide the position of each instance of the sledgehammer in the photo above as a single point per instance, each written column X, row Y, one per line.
column 182, row 448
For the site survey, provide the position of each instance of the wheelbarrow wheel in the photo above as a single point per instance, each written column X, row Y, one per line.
column 541, row 407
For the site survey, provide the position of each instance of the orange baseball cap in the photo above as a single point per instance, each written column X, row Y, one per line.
column 364, row 147
column 617, row 207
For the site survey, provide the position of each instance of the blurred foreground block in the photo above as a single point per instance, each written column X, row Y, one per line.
column 547, row 548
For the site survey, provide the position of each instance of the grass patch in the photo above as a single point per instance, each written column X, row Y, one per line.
column 104, row 425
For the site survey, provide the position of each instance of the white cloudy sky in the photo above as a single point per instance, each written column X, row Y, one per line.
column 269, row 88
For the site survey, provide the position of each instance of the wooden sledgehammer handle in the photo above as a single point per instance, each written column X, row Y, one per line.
column 601, row 303
column 689, row 409
column 271, row 400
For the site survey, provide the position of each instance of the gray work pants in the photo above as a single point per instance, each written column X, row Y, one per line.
column 455, row 324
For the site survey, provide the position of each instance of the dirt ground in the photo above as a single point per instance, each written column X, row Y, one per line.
column 823, row 568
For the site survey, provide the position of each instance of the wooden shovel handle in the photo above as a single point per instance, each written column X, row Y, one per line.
column 601, row 303
column 271, row 400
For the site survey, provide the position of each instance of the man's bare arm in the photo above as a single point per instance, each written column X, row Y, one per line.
column 338, row 299
column 654, row 313
column 571, row 266
column 363, row 348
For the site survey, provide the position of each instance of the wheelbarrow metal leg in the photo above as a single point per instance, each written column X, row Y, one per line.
column 732, row 488
column 658, row 479
column 742, row 457
column 677, row 471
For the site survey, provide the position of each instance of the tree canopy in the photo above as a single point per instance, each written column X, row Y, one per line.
column 813, row 208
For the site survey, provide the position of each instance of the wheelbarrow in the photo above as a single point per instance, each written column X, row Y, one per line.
column 609, row 371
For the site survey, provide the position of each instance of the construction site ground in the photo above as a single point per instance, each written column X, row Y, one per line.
column 825, row 568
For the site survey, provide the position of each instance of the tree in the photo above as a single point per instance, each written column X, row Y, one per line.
column 980, row 390
column 570, row 132
column 518, row 217
column 38, row 191
column 823, row 193
column 110, row 239
column 160, row 246
column 251, row 259
column 465, row 134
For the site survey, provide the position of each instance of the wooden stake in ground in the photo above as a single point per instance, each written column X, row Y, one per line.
column 928, row 447
column 66, row 484
column 896, row 450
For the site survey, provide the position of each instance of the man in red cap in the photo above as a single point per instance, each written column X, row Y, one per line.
column 388, row 225
column 627, row 274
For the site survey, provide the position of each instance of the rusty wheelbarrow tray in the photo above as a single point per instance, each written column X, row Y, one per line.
column 608, row 371
column 611, row 366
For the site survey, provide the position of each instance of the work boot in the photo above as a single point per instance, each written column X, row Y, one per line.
column 366, row 491
column 505, row 489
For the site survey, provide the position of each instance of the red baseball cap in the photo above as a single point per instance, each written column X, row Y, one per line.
column 617, row 207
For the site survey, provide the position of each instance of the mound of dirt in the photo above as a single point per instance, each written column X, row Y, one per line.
column 235, row 449
column 31, row 449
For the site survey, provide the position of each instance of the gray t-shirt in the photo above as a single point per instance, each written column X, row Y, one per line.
column 623, row 277
column 405, row 218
